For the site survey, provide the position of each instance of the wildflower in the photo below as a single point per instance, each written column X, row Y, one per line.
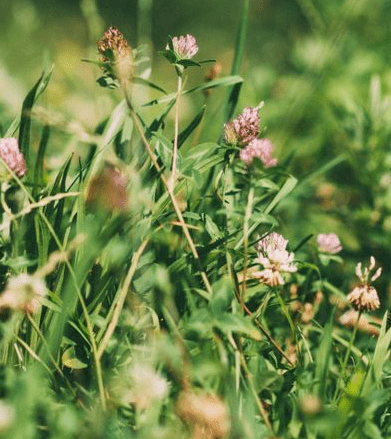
column 213, row 73
column 107, row 189
column 141, row 386
column 207, row 415
column 9, row 152
column 23, row 293
column 113, row 41
column 274, row 257
column 364, row 296
column 117, row 55
column 310, row 404
column 245, row 126
column 230, row 134
column 184, row 47
column 7, row 416
column 308, row 312
column 349, row 319
column 329, row 243
column 261, row 149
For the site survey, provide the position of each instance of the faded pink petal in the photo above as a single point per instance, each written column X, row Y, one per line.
column 329, row 243
column 261, row 149
column 185, row 47
column 9, row 152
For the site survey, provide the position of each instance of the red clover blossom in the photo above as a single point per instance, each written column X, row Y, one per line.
column 185, row 47
column 329, row 243
column 245, row 128
column 261, row 149
column 9, row 152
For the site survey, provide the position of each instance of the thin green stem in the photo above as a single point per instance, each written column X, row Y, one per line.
column 171, row 180
column 119, row 302
column 289, row 319
column 250, row 382
column 247, row 216
column 286, row 312
column 170, row 193
column 347, row 355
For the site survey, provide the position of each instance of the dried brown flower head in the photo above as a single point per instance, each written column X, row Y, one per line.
column 107, row 189
column 113, row 41
column 364, row 296
column 207, row 415
column 213, row 73
column 117, row 56
column 349, row 319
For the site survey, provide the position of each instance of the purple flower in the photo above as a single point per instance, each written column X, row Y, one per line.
column 261, row 149
column 185, row 47
column 245, row 128
column 329, row 243
column 9, row 152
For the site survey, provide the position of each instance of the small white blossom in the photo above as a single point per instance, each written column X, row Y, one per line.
column 141, row 385
column 274, row 257
column 23, row 293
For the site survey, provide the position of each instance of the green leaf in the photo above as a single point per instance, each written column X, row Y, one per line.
column 234, row 323
column 220, row 82
column 233, row 95
column 183, row 135
column 375, row 371
column 142, row 81
column 284, row 191
column 322, row 358
column 115, row 123
column 70, row 359
column 25, row 117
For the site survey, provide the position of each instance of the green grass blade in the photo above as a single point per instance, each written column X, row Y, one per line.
column 25, row 118
column 284, row 191
column 183, row 135
column 38, row 170
column 233, row 95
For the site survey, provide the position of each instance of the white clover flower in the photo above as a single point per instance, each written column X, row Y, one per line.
column 141, row 385
column 364, row 297
column 274, row 257
column 9, row 152
column 329, row 243
column 23, row 293
column 185, row 47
